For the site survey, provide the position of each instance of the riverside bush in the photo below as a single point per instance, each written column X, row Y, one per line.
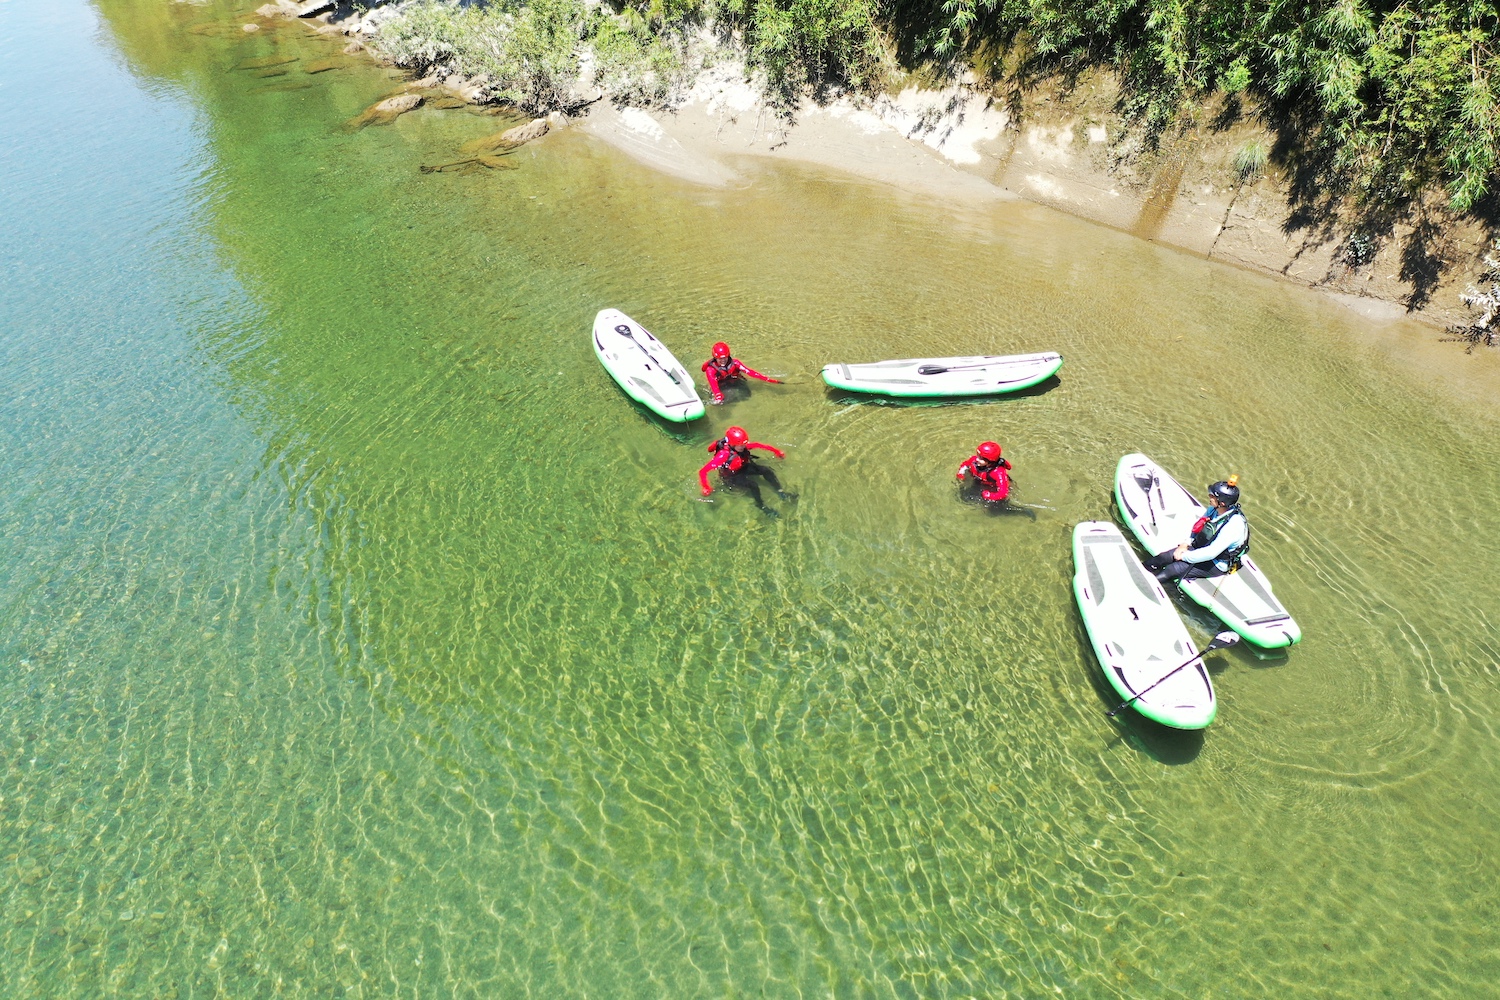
column 531, row 49
column 1390, row 97
column 528, row 50
column 1397, row 96
column 633, row 62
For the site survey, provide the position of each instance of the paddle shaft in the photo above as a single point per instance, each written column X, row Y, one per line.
column 1222, row 578
column 626, row 331
column 1218, row 643
column 939, row 369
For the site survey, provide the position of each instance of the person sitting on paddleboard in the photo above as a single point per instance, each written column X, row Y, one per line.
column 1220, row 539
column 722, row 369
column 731, row 456
column 991, row 472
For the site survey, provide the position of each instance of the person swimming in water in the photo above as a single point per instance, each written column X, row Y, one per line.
column 738, row 467
column 723, row 369
column 991, row 472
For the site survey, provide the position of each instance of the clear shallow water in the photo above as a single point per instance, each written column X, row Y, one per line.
column 359, row 637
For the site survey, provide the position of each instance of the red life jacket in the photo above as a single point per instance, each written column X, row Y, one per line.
column 990, row 472
column 993, row 475
column 724, row 368
column 1207, row 528
column 737, row 456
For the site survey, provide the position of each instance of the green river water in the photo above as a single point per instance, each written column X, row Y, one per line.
column 359, row 638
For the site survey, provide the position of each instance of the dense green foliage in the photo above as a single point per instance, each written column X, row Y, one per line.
column 808, row 40
column 528, row 49
column 1395, row 97
column 1398, row 95
column 531, row 47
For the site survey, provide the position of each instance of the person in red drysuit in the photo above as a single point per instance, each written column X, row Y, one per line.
column 991, row 472
column 721, row 369
column 731, row 456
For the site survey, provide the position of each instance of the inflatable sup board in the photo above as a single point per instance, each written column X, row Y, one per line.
column 1160, row 513
column 1136, row 631
column 983, row 375
column 644, row 367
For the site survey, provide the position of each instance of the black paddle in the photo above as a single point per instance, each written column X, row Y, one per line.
column 939, row 369
column 1145, row 485
column 1220, row 641
column 625, row 331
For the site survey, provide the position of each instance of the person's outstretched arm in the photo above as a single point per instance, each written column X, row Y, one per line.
column 767, row 447
column 745, row 369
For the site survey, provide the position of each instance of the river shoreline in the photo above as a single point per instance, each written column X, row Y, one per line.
column 1062, row 147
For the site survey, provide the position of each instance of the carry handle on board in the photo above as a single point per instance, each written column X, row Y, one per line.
column 1220, row 641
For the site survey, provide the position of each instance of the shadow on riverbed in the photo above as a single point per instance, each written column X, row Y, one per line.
column 263, row 64
column 846, row 398
column 682, row 433
column 1162, row 744
column 473, row 164
column 968, row 495
column 486, row 153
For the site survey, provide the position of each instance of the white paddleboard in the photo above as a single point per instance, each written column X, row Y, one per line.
column 1160, row 513
column 979, row 375
column 644, row 367
column 1136, row 632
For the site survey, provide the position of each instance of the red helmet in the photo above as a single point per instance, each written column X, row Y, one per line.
column 736, row 436
column 721, row 350
column 989, row 451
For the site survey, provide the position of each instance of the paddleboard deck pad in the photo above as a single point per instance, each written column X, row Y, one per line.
column 644, row 367
column 1160, row 513
column 980, row 375
column 1136, row 632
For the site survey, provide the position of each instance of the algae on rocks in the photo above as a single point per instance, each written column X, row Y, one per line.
column 386, row 111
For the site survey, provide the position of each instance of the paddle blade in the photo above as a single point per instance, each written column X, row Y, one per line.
column 1222, row 640
column 930, row 369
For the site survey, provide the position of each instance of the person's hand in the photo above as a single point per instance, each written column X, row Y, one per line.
column 1179, row 552
column 717, row 400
